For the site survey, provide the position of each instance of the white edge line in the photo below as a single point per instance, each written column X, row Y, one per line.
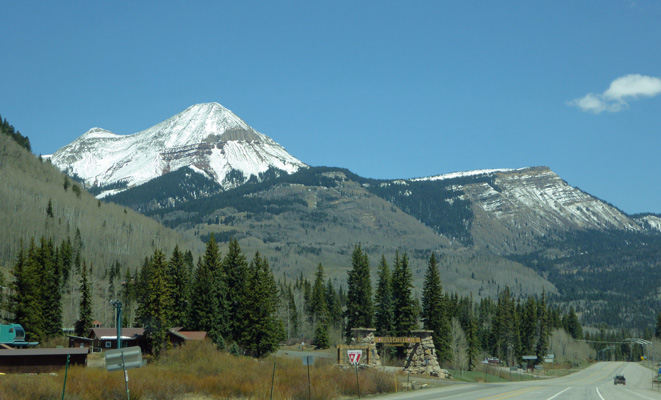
column 600, row 396
column 559, row 393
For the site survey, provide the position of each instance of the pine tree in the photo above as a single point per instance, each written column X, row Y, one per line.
column 383, row 301
column 24, row 302
column 528, row 327
column 142, row 291
column 84, row 322
column 543, row 329
column 179, row 287
column 235, row 272
column 472, row 337
column 505, row 331
column 156, row 313
column 572, row 326
column 65, row 259
column 359, row 310
column 434, row 316
column 333, row 305
column 320, row 339
column 293, row 313
column 263, row 329
column 318, row 308
column 403, row 303
column 128, row 299
column 51, row 295
column 49, row 209
column 208, row 307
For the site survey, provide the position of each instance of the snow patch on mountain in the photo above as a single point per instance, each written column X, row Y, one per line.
column 455, row 175
column 652, row 222
column 539, row 199
column 207, row 137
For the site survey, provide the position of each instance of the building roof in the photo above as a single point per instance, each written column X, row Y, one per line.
column 40, row 352
column 193, row 335
column 111, row 333
column 189, row 335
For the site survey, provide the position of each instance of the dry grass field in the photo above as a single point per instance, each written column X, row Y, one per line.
column 198, row 371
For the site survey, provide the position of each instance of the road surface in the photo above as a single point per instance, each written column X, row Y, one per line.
column 592, row 383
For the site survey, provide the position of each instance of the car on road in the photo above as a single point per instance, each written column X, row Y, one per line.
column 619, row 379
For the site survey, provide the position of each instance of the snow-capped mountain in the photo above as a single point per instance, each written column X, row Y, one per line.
column 207, row 137
column 515, row 205
column 547, row 199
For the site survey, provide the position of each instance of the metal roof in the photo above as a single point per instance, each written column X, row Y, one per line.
column 41, row 352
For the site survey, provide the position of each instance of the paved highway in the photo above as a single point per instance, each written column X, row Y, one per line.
column 593, row 383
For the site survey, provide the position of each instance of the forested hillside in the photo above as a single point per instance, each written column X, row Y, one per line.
column 7, row 129
column 318, row 214
column 38, row 200
column 610, row 277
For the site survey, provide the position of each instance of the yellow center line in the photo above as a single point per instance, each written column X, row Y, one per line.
column 514, row 393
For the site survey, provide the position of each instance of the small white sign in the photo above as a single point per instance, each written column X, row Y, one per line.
column 354, row 356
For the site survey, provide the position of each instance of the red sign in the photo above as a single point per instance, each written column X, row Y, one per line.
column 354, row 356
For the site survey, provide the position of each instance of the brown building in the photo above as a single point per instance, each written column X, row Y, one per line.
column 40, row 360
column 177, row 337
column 106, row 338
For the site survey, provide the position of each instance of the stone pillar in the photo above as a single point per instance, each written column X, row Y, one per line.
column 421, row 357
column 363, row 338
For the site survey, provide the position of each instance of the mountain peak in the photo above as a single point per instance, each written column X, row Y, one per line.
column 205, row 136
column 210, row 122
column 96, row 133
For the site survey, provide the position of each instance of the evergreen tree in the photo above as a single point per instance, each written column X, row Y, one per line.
column 434, row 317
column 128, row 299
column 472, row 337
column 320, row 339
column 49, row 209
column 24, row 301
column 383, row 301
column 142, row 291
column 528, row 327
column 359, row 311
column 543, row 329
column 51, row 295
column 318, row 309
column 505, row 331
column 572, row 326
column 65, row 259
column 235, row 272
column 207, row 305
column 179, row 286
column 263, row 329
column 333, row 305
column 84, row 322
column 156, row 311
column 293, row 313
column 403, row 302
column 657, row 329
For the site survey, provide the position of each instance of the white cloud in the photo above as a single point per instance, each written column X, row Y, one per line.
column 620, row 91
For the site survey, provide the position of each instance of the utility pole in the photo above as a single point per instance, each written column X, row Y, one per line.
column 118, row 322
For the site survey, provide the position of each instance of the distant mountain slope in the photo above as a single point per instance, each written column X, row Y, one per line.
column 318, row 214
column 207, row 137
column 526, row 228
column 512, row 208
column 108, row 232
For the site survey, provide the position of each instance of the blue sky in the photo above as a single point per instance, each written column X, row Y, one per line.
column 385, row 89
